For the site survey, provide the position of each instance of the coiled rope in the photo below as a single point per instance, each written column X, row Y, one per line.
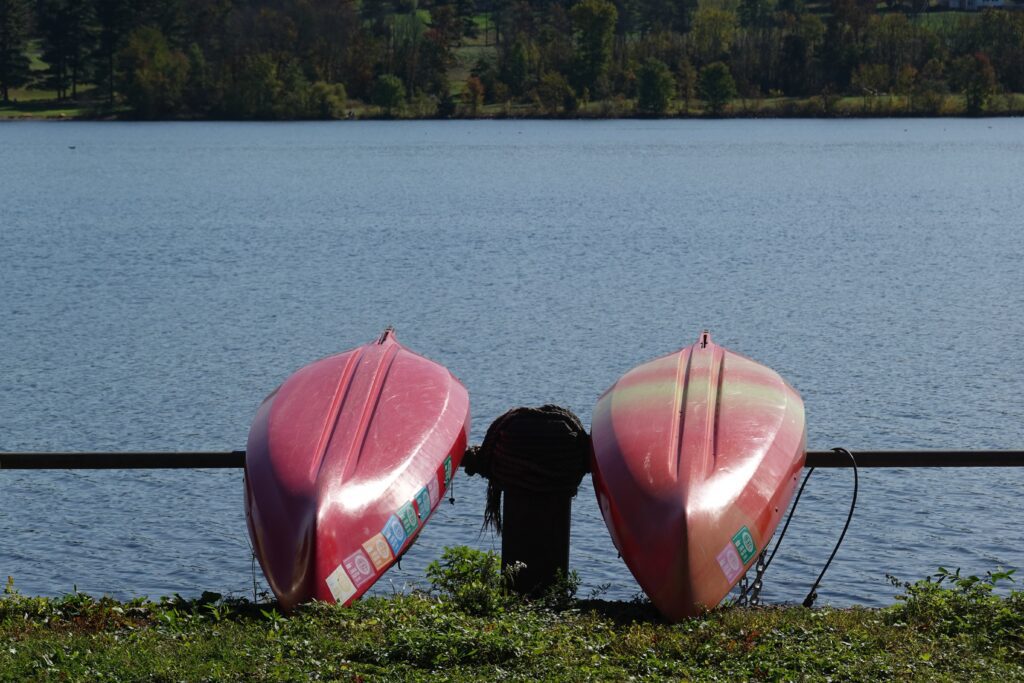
column 539, row 450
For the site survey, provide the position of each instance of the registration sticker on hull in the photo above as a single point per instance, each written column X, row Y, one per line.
column 423, row 503
column 394, row 533
column 407, row 514
column 359, row 568
column 435, row 491
column 447, row 471
column 729, row 561
column 341, row 587
column 744, row 543
column 379, row 551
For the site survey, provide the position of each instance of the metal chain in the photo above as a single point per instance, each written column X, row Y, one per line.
column 744, row 585
column 755, row 593
column 750, row 593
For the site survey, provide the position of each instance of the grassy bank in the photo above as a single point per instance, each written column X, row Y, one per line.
column 465, row 628
column 43, row 105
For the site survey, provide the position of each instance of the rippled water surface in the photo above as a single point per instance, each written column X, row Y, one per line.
column 157, row 280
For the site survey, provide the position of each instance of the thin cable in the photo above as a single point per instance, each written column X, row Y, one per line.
column 813, row 595
column 782, row 534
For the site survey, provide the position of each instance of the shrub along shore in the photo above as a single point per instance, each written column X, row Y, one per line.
column 466, row 627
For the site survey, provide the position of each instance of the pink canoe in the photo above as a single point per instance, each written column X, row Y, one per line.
column 345, row 462
column 696, row 456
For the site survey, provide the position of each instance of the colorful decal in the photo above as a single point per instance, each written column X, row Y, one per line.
column 435, row 491
column 729, row 561
column 407, row 514
column 447, row 471
column 379, row 551
column 358, row 566
column 340, row 585
column 744, row 543
column 423, row 503
column 394, row 533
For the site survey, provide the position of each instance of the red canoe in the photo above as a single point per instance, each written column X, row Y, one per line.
column 696, row 455
column 345, row 462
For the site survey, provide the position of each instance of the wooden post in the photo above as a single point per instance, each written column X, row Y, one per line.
column 536, row 533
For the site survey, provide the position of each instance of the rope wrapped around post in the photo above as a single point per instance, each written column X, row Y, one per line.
column 535, row 458
column 537, row 450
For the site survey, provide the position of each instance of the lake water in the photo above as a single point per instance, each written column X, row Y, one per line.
column 158, row 280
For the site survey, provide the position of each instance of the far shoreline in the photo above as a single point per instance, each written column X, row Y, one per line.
column 1009, row 105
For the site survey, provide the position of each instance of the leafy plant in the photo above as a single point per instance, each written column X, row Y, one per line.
column 472, row 579
column 953, row 605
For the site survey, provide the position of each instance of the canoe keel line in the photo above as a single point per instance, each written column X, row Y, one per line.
column 694, row 456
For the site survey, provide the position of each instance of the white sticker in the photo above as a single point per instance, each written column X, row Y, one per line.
column 729, row 561
column 340, row 585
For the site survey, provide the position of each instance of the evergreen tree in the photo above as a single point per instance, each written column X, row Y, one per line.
column 15, row 26
column 594, row 25
column 114, row 19
column 66, row 30
column 465, row 10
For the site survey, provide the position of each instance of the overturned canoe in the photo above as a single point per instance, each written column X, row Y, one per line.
column 695, row 458
column 345, row 462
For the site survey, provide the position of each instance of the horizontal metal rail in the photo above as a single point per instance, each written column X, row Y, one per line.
column 236, row 459
column 122, row 460
column 936, row 458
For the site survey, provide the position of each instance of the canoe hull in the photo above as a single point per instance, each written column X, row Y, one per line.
column 695, row 459
column 345, row 462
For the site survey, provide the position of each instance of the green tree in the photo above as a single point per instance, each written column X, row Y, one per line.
column 870, row 80
column 666, row 15
column 473, row 95
column 716, row 87
column 931, row 85
column 977, row 80
column 594, row 28
column 655, row 86
column 254, row 88
column 152, row 75
column 713, row 31
column 15, row 26
column 755, row 13
column 65, row 27
column 388, row 93
column 687, row 80
column 446, row 27
column 554, row 92
column 906, row 80
column 199, row 87
column 114, row 19
column 465, row 10
column 295, row 97
column 328, row 100
column 518, row 66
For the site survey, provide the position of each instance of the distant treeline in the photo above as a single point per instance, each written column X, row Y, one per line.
column 313, row 58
